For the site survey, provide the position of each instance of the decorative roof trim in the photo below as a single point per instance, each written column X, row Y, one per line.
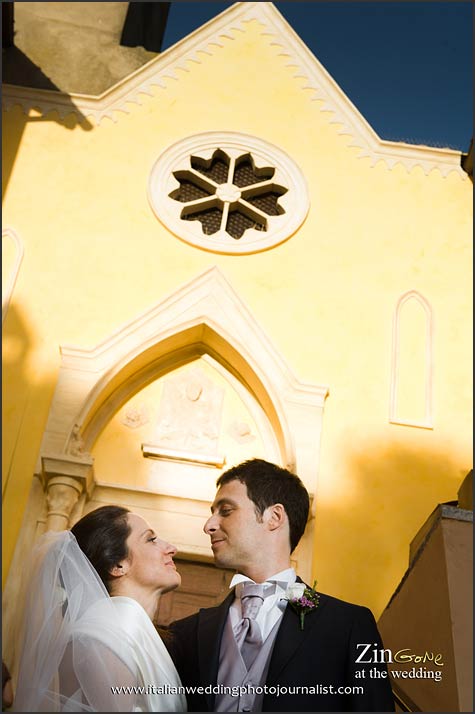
column 204, row 40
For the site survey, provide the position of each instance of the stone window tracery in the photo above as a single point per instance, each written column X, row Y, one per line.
column 228, row 192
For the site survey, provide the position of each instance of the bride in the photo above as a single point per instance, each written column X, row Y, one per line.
column 89, row 643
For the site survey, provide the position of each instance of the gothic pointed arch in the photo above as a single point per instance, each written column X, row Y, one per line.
column 204, row 316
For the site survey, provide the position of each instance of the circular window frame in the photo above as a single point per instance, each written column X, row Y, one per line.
column 294, row 202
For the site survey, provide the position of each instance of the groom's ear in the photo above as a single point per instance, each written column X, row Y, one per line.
column 276, row 516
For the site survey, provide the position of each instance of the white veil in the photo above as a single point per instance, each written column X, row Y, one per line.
column 72, row 651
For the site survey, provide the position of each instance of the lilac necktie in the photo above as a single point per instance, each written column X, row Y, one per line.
column 249, row 636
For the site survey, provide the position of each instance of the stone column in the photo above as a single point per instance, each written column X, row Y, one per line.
column 62, row 494
column 64, row 479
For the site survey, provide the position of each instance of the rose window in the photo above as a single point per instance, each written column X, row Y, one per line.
column 228, row 192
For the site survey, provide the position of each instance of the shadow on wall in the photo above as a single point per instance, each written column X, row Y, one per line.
column 18, row 342
column 363, row 533
column 26, row 395
column 18, row 69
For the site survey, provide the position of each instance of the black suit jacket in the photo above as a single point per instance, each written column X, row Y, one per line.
column 321, row 656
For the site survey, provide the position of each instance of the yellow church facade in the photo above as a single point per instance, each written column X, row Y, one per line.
column 216, row 259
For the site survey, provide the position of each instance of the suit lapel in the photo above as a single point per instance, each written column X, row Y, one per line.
column 211, row 624
column 288, row 641
column 290, row 638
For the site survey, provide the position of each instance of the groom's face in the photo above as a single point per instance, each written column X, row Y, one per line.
column 237, row 533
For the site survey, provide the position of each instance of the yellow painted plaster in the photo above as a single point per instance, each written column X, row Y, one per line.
column 96, row 257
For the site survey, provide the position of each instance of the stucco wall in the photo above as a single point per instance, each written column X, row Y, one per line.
column 96, row 257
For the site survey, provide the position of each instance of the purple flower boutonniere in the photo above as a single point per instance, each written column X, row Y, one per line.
column 302, row 599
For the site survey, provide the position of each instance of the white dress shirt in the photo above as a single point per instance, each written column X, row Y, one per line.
column 273, row 606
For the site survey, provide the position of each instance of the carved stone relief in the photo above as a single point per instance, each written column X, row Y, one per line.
column 135, row 417
column 241, row 432
column 76, row 443
column 190, row 413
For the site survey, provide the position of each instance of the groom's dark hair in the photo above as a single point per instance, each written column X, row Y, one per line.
column 267, row 484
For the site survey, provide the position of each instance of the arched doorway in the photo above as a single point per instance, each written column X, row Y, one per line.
column 203, row 321
column 202, row 585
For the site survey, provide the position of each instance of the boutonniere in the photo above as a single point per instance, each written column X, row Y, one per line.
column 302, row 599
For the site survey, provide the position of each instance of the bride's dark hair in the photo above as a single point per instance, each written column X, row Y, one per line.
column 102, row 536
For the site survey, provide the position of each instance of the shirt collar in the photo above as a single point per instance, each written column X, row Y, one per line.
column 283, row 580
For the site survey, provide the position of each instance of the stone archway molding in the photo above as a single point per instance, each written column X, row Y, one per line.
column 204, row 316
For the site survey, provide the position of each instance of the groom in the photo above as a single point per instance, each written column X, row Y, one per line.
column 254, row 637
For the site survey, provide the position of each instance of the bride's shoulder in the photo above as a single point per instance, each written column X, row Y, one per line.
column 114, row 609
column 120, row 602
column 120, row 614
column 130, row 613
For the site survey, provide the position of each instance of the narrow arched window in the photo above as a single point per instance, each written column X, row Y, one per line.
column 411, row 364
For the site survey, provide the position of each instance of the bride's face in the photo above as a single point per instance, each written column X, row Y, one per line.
column 150, row 560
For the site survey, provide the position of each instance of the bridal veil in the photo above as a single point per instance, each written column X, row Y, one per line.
column 72, row 650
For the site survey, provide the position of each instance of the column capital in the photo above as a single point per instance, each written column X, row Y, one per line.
column 74, row 469
column 62, row 494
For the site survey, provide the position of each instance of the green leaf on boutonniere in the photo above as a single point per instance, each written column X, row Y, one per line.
column 302, row 599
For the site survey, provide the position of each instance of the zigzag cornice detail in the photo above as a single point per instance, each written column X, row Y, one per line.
column 211, row 36
column 343, row 111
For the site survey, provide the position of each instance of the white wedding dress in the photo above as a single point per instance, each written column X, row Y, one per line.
column 83, row 650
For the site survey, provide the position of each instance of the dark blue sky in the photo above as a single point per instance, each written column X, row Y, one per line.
column 407, row 66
